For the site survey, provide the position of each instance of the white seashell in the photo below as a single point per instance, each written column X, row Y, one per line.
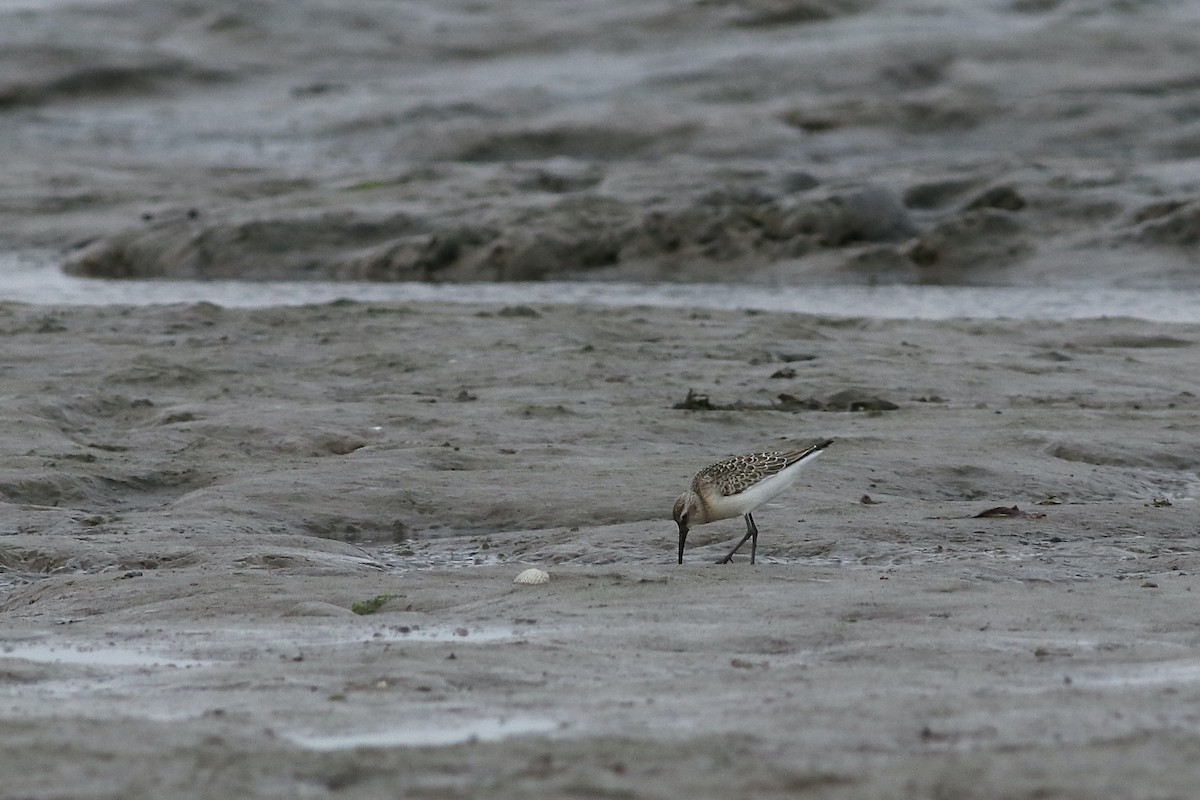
column 533, row 577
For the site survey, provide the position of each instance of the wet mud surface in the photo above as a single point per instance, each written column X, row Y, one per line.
column 897, row 142
column 196, row 498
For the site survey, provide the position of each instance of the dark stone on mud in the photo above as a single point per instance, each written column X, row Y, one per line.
column 518, row 311
column 858, row 400
column 787, row 402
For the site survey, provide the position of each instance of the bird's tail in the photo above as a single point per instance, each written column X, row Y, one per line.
column 808, row 452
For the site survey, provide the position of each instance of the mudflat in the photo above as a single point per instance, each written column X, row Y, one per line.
column 270, row 553
column 196, row 500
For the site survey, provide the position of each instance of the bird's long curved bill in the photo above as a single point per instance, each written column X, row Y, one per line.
column 683, row 532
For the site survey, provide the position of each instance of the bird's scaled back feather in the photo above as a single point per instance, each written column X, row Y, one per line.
column 735, row 475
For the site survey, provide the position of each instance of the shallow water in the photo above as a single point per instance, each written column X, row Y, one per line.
column 436, row 733
column 1136, row 676
column 95, row 656
column 28, row 281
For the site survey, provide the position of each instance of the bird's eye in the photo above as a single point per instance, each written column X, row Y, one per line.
column 683, row 520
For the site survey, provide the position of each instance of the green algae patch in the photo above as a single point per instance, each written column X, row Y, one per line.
column 371, row 606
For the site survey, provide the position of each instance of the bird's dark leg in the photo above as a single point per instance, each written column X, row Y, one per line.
column 754, row 537
column 751, row 533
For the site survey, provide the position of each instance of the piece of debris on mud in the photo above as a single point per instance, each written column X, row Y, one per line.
column 784, row 402
column 849, row 400
column 1007, row 511
column 695, row 402
column 787, row 402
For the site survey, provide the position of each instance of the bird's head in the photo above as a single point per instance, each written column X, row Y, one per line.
column 687, row 511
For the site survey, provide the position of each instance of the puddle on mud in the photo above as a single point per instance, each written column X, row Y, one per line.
column 433, row 734
column 1135, row 676
column 444, row 633
column 90, row 655
column 387, row 634
column 39, row 279
column 433, row 555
